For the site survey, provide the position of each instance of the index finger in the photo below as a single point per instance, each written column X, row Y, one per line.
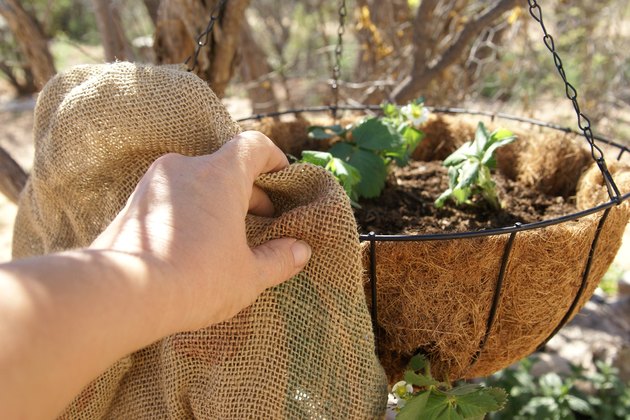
column 255, row 153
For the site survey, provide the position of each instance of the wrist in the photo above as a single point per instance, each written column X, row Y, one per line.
column 148, row 284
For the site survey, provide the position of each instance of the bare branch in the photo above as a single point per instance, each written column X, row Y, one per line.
column 12, row 176
column 152, row 8
column 422, row 29
column 422, row 73
column 254, row 67
column 31, row 40
column 115, row 42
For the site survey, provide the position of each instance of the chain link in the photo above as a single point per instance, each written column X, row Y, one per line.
column 205, row 35
column 584, row 123
column 336, row 70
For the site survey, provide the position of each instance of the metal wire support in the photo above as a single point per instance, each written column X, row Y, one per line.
column 585, row 274
column 583, row 121
column 336, row 70
column 204, row 37
column 373, row 288
column 496, row 298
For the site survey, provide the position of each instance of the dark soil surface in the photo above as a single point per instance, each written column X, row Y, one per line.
column 406, row 205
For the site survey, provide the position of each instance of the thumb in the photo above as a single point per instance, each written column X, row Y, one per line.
column 280, row 259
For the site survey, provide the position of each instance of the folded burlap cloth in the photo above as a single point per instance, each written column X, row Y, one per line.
column 305, row 349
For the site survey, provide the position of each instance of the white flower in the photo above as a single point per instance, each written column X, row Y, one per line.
column 416, row 114
column 402, row 389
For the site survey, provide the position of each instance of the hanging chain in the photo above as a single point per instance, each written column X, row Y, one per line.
column 584, row 123
column 336, row 70
column 204, row 37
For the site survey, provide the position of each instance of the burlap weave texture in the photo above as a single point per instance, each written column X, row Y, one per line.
column 305, row 349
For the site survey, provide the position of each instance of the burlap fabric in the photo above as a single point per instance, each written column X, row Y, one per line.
column 303, row 350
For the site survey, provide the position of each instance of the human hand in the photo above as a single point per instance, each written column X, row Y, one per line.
column 186, row 221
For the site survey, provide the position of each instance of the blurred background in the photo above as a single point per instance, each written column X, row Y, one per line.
column 266, row 55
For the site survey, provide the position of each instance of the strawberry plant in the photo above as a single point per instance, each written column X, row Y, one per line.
column 370, row 147
column 347, row 175
column 469, row 167
column 420, row 396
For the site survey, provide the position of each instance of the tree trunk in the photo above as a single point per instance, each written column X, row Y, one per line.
column 23, row 86
column 180, row 22
column 152, row 8
column 382, row 33
column 255, row 71
column 424, row 70
column 110, row 26
column 31, row 40
column 12, row 177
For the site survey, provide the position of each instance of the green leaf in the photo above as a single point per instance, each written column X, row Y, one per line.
column 499, row 395
column 468, row 175
column 502, row 133
column 418, row 362
column 458, row 156
column 347, row 175
column 480, row 402
column 389, row 110
column 419, row 380
column 551, row 384
column 412, row 137
column 540, row 408
column 489, row 153
column 373, row 172
column 461, row 195
column 324, row 132
column 481, row 138
column 579, row 405
column 408, row 140
column 453, row 175
column 344, row 170
column 372, row 168
column 414, row 407
column 342, row 150
column 439, row 202
column 373, row 134
column 437, row 407
column 464, row 389
column 316, row 158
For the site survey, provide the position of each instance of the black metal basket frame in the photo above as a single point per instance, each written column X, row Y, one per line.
column 512, row 231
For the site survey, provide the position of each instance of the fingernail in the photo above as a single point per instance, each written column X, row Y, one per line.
column 301, row 253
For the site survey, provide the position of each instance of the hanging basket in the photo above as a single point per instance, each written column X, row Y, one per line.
column 475, row 302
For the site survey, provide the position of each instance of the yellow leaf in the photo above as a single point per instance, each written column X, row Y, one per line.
column 516, row 13
column 365, row 13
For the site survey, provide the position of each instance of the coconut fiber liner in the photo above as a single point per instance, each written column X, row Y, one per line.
column 435, row 296
column 304, row 349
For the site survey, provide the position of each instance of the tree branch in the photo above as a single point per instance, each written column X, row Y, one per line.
column 422, row 73
column 422, row 30
column 31, row 40
column 254, row 67
column 12, row 176
column 112, row 33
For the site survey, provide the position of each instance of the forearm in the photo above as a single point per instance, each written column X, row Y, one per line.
column 65, row 318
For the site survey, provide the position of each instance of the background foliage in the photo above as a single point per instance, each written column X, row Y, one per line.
column 503, row 65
